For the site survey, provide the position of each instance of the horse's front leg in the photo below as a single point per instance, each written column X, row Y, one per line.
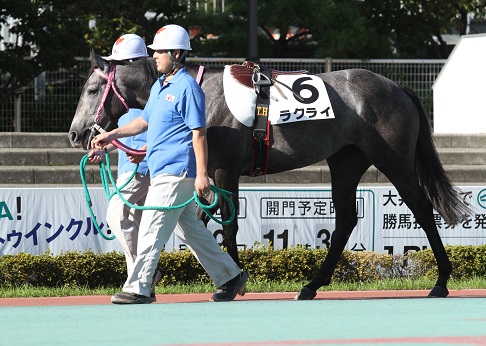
column 229, row 182
column 347, row 166
column 230, row 230
column 345, row 223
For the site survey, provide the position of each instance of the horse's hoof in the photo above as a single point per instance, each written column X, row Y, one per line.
column 305, row 294
column 438, row 292
column 242, row 291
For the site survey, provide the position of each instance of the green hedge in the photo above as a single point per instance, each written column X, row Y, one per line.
column 88, row 269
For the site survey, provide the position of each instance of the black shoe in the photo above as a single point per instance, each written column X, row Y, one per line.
column 229, row 290
column 131, row 298
column 155, row 279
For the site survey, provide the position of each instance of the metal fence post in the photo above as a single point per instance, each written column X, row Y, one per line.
column 328, row 65
column 17, row 112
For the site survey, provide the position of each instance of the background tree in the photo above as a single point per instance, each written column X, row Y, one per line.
column 217, row 33
column 290, row 29
column 111, row 19
column 416, row 28
column 339, row 29
column 49, row 35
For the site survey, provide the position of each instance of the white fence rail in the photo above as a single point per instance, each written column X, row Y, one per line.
column 48, row 103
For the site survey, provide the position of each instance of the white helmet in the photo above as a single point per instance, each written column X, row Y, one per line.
column 171, row 37
column 128, row 46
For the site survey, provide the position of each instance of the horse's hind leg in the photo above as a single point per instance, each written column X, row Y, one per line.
column 414, row 197
column 347, row 167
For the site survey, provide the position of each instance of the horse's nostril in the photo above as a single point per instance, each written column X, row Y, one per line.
column 73, row 136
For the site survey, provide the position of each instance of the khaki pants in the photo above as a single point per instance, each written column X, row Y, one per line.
column 124, row 222
column 157, row 226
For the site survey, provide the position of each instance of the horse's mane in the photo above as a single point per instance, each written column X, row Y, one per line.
column 146, row 64
column 193, row 68
column 193, row 65
column 86, row 77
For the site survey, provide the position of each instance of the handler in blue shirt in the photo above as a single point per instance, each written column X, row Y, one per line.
column 174, row 118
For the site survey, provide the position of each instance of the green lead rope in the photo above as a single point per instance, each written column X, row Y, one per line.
column 107, row 177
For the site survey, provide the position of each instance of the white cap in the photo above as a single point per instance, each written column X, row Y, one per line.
column 171, row 37
column 128, row 46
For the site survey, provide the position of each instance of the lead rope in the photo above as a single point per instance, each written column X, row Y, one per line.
column 107, row 176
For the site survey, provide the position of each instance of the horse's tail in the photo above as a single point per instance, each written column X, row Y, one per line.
column 440, row 191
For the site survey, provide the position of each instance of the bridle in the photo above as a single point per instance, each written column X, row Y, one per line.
column 110, row 84
column 110, row 77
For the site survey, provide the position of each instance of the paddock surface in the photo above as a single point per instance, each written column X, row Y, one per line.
column 333, row 318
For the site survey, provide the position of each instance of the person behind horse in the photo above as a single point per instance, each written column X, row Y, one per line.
column 174, row 118
column 124, row 221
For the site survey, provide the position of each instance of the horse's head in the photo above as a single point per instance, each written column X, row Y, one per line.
column 110, row 89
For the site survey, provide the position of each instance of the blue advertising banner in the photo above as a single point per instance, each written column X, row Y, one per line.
column 34, row 220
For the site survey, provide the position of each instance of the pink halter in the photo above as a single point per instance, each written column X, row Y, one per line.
column 110, row 84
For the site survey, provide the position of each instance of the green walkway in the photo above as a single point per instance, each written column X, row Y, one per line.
column 319, row 322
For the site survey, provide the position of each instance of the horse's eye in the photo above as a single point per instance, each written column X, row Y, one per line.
column 92, row 91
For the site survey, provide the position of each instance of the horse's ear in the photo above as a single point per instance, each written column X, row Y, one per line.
column 96, row 60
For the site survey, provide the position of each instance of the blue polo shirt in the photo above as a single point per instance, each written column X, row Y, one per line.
column 172, row 112
column 135, row 142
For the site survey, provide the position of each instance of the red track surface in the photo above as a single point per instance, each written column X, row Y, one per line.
column 204, row 297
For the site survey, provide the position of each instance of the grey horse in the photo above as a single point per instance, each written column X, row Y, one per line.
column 377, row 123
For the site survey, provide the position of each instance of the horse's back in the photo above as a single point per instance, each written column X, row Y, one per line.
column 379, row 104
column 370, row 111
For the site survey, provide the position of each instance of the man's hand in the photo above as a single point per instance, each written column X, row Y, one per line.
column 135, row 158
column 101, row 140
column 202, row 185
column 96, row 155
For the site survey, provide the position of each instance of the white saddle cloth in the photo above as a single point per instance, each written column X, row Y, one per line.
column 284, row 106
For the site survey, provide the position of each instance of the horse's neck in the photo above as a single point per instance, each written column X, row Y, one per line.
column 192, row 69
column 141, row 82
